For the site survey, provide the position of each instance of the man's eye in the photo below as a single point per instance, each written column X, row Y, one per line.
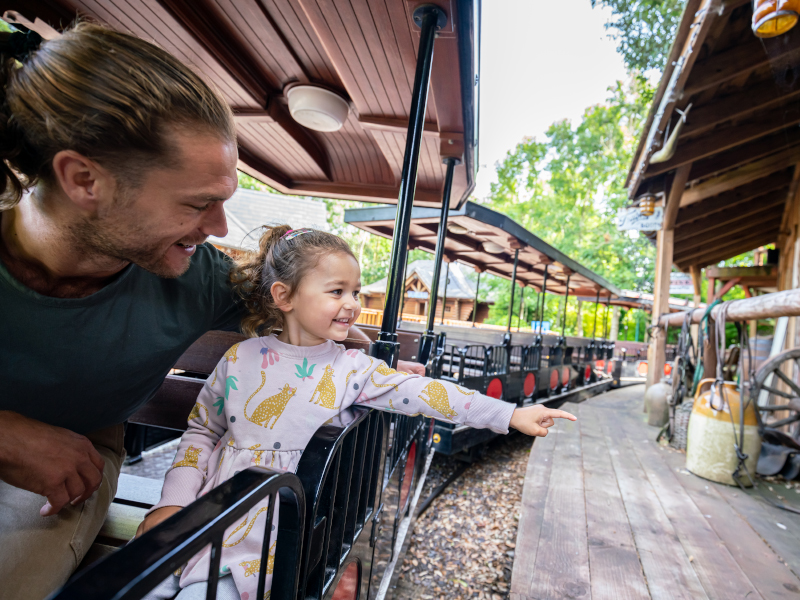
column 202, row 208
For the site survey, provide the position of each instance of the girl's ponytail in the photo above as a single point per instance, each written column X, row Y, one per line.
column 280, row 257
column 251, row 280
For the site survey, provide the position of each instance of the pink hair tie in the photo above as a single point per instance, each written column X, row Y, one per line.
column 293, row 233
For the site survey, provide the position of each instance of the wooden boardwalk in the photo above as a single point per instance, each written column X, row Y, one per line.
column 609, row 514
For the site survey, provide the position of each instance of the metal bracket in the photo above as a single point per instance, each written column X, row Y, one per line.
column 423, row 9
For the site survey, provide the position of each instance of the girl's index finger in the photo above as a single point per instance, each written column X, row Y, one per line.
column 562, row 414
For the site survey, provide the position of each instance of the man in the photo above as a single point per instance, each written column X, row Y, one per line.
column 117, row 160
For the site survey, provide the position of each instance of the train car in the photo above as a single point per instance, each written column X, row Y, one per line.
column 519, row 367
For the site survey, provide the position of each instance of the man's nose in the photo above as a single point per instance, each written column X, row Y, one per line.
column 215, row 222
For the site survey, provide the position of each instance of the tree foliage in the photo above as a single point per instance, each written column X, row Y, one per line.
column 567, row 189
column 644, row 30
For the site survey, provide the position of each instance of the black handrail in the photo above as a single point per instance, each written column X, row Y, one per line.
column 134, row 570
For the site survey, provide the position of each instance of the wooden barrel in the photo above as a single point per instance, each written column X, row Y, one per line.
column 710, row 451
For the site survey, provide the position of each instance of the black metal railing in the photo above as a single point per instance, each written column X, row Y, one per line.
column 136, row 569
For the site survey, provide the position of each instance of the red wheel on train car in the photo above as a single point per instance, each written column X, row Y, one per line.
column 554, row 379
column 587, row 373
column 600, row 364
column 348, row 586
column 610, row 367
column 408, row 474
column 530, row 384
column 495, row 389
column 565, row 376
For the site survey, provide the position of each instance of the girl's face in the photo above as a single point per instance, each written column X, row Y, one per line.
column 325, row 305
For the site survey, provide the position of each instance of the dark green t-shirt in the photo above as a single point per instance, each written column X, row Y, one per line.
column 89, row 363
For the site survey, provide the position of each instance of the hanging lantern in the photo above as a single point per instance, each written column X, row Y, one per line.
column 774, row 17
column 646, row 204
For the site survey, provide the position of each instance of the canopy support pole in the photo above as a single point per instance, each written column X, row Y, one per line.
column 427, row 339
column 386, row 346
column 444, row 293
column 566, row 299
column 475, row 305
column 513, row 287
column 540, row 340
column 521, row 306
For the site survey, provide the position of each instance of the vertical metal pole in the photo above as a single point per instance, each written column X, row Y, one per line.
column 605, row 322
column 475, row 306
column 596, row 304
column 403, row 293
column 544, row 300
column 444, row 294
column 513, row 286
column 566, row 299
column 521, row 306
column 386, row 346
column 427, row 338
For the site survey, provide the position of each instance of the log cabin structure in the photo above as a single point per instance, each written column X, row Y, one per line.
column 720, row 147
column 456, row 296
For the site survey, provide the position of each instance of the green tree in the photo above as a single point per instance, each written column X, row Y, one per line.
column 567, row 189
column 644, row 30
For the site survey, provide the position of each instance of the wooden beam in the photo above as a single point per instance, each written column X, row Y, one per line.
column 725, row 288
column 739, row 195
column 728, row 251
column 768, row 146
column 719, row 235
column 794, row 189
column 740, row 60
column 729, row 137
column 366, row 193
column 749, row 100
column 762, row 272
column 742, row 175
column 697, row 280
column 676, row 189
column 401, row 126
column 754, row 208
column 766, row 306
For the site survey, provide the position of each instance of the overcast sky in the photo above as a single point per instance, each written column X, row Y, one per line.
column 541, row 61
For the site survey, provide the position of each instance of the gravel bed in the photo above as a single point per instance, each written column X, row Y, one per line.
column 463, row 546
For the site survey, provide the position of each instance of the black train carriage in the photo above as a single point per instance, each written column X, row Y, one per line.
column 345, row 514
column 519, row 367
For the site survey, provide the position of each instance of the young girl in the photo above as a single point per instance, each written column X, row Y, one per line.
column 268, row 395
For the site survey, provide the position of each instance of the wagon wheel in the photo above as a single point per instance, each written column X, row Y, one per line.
column 769, row 398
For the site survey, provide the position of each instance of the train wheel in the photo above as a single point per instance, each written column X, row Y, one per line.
column 587, row 374
column 565, row 376
column 348, row 586
column 600, row 364
column 495, row 389
column 554, row 379
column 530, row 384
column 408, row 475
column 610, row 367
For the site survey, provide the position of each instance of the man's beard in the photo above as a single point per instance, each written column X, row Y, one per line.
column 103, row 239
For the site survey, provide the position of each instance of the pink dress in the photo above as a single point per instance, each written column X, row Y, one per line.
column 261, row 406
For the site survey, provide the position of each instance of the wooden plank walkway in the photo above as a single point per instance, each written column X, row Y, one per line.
column 609, row 514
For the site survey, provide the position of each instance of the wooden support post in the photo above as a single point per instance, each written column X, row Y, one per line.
column 656, row 351
column 697, row 282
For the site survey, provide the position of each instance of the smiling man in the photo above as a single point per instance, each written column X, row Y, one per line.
column 116, row 162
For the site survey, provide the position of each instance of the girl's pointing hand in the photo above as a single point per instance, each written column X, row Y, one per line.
column 534, row 420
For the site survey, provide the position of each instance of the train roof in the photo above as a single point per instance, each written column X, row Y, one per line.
column 255, row 51
column 473, row 228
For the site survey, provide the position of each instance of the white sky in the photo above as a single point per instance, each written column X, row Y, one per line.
column 541, row 61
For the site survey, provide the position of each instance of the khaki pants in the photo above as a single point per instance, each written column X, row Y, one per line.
column 38, row 554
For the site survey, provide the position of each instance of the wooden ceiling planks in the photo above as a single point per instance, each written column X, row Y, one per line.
column 741, row 139
column 253, row 51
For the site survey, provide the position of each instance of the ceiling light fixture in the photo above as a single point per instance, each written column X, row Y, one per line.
column 492, row 248
column 317, row 108
column 457, row 229
column 772, row 18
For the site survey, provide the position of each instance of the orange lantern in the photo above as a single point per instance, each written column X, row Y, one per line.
column 646, row 204
column 774, row 17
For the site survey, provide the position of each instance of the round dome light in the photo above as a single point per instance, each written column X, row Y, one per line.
column 492, row 248
column 317, row 108
column 457, row 229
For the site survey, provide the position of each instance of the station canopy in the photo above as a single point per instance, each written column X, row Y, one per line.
column 487, row 240
column 365, row 51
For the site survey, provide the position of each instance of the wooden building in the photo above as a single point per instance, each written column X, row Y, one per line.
column 720, row 149
column 419, row 275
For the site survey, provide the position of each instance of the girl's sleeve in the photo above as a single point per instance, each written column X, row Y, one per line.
column 207, row 424
column 386, row 389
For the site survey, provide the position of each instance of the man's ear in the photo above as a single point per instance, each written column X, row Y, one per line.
column 281, row 294
column 88, row 185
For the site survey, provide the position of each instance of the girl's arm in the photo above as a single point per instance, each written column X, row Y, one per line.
column 387, row 389
column 207, row 424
